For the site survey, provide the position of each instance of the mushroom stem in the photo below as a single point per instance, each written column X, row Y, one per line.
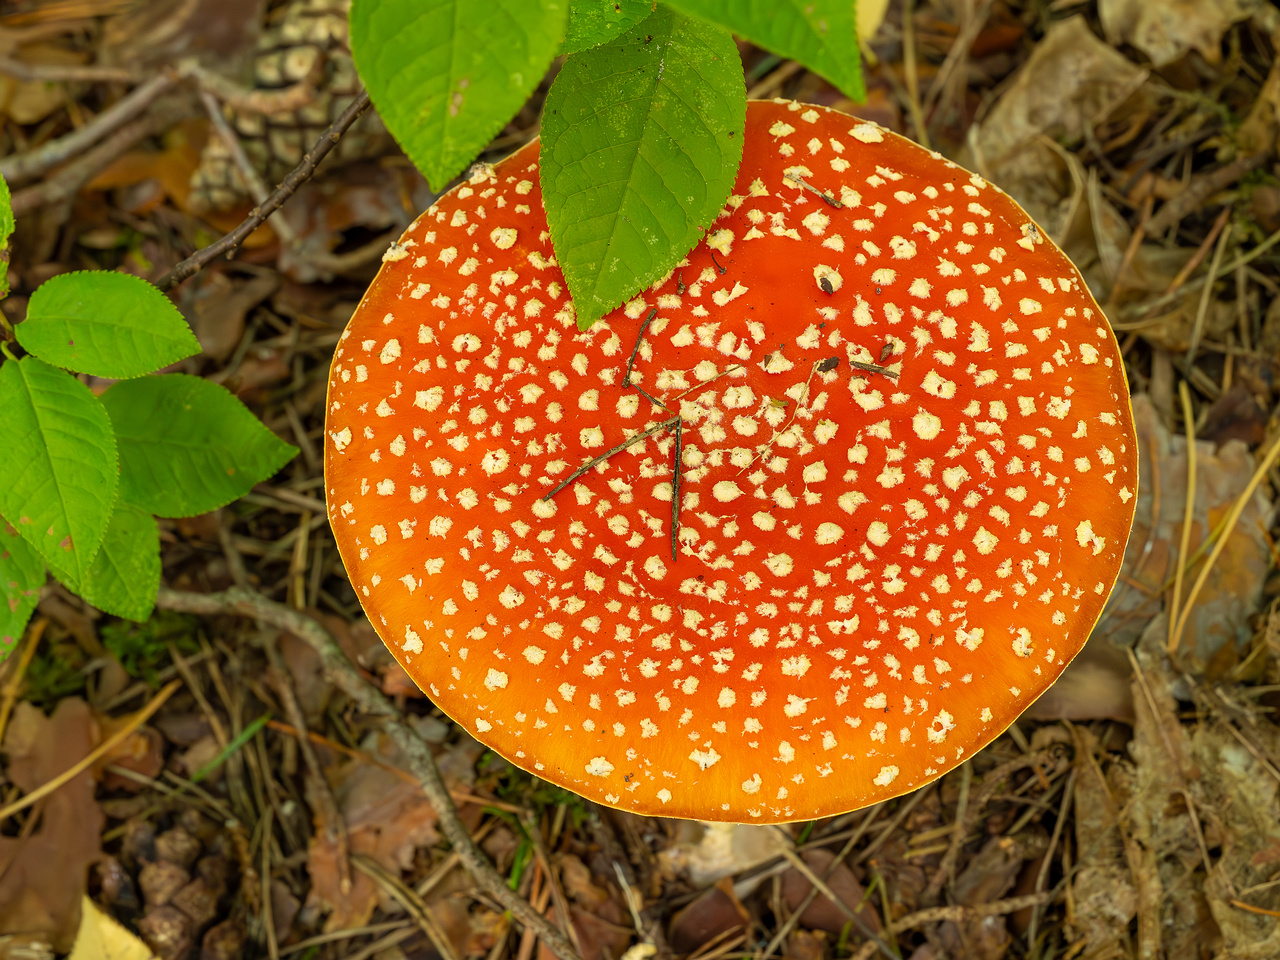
column 415, row 751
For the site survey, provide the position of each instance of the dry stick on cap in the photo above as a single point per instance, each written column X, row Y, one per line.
column 918, row 554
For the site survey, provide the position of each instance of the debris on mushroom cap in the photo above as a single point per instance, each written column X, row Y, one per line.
column 879, row 563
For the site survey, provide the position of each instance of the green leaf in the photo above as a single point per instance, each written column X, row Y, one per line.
column 187, row 446
column 593, row 22
column 6, row 231
column 58, row 471
column 821, row 34
column 447, row 75
column 125, row 574
column 21, row 577
column 104, row 323
column 641, row 140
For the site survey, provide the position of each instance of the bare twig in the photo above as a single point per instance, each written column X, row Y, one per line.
column 252, row 179
column 299, row 175
column 1202, row 187
column 64, row 184
column 27, row 166
column 97, row 753
column 247, row 100
column 64, row 73
column 992, row 782
column 956, row 914
column 371, row 701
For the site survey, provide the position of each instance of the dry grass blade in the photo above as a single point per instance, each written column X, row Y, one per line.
column 18, row 670
column 420, row 912
column 1188, row 418
column 1228, row 525
column 105, row 747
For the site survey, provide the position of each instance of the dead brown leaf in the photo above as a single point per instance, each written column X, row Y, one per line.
column 822, row 914
column 44, row 870
column 386, row 820
column 1167, row 30
column 1071, row 83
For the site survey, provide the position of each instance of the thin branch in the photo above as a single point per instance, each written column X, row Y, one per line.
column 64, row 73
column 370, row 700
column 631, row 361
column 66, row 182
column 27, row 166
column 956, row 914
column 246, row 100
column 251, row 177
column 299, row 175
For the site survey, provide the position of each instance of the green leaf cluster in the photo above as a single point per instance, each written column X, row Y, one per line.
column 84, row 476
column 642, row 129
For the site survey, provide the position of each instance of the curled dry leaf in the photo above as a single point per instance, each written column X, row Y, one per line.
column 1070, row 84
column 1167, row 30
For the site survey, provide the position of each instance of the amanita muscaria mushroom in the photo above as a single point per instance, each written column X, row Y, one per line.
column 907, row 475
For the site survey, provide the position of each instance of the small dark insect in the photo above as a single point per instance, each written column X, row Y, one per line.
column 877, row 291
column 825, row 284
column 680, row 287
column 829, row 364
column 717, row 263
column 886, row 352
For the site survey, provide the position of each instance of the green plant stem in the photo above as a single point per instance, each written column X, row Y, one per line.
column 413, row 748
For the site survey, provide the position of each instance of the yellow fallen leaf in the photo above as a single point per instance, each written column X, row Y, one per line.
column 101, row 938
column 870, row 14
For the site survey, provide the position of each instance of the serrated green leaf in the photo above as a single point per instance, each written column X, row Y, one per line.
column 125, row 573
column 104, row 323
column 187, row 446
column 6, row 213
column 641, row 141
column 821, row 34
column 21, row 577
column 593, row 22
column 58, row 471
column 447, row 75
column 6, row 231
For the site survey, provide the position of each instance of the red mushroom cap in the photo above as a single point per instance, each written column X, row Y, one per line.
column 907, row 476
